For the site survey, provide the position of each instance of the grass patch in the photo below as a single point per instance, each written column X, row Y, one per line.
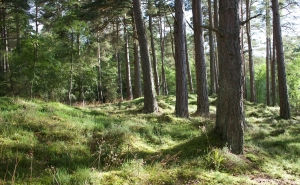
column 116, row 143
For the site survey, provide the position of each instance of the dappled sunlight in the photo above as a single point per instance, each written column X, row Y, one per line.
column 109, row 144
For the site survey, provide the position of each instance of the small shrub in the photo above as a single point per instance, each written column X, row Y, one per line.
column 164, row 105
column 277, row 132
column 260, row 134
column 215, row 159
column 166, row 118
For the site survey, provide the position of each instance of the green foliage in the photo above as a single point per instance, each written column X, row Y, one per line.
column 293, row 78
column 110, row 80
column 260, row 81
column 215, row 159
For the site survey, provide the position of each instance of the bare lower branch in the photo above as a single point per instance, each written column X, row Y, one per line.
column 209, row 28
column 245, row 21
column 189, row 24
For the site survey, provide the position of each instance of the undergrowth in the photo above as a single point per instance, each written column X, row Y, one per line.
column 52, row 143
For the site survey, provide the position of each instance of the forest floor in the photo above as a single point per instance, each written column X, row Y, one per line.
column 115, row 143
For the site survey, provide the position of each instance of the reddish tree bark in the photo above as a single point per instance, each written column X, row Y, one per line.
column 230, row 108
column 283, row 92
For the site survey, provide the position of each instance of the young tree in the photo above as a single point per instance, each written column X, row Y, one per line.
column 211, row 51
column 181, row 107
column 188, row 68
column 154, row 59
column 242, row 50
column 35, row 51
column 273, row 73
column 283, row 92
column 268, row 50
column 117, row 56
column 71, row 69
column 150, row 102
column 202, row 94
column 127, row 62
column 216, row 25
column 99, row 69
column 230, row 109
column 162, row 51
column 251, row 64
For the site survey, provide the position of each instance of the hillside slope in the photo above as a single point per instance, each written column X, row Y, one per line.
column 52, row 143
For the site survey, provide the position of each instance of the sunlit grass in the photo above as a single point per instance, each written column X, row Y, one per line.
column 116, row 143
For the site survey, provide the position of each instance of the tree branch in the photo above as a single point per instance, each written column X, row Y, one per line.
column 128, row 32
column 245, row 21
column 209, row 28
column 189, row 24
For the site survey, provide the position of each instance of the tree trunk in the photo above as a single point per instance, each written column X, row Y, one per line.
column 230, row 109
column 242, row 52
column 171, row 37
column 120, row 90
column 251, row 65
column 127, row 61
column 81, row 75
column 211, row 52
column 3, row 15
column 181, row 107
column 283, row 92
column 154, row 60
column 71, row 71
column 189, row 74
column 273, row 74
column 35, row 51
column 268, row 51
column 5, row 45
column 150, row 102
column 137, row 66
column 216, row 25
column 202, row 94
column 119, row 66
column 100, row 92
column 162, row 50
column 18, row 31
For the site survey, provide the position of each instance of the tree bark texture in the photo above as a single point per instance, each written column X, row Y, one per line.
column 201, row 81
column 283, row 92
column 180, row 61
column 137, row 65
column 150, row 102
column 230, row 109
